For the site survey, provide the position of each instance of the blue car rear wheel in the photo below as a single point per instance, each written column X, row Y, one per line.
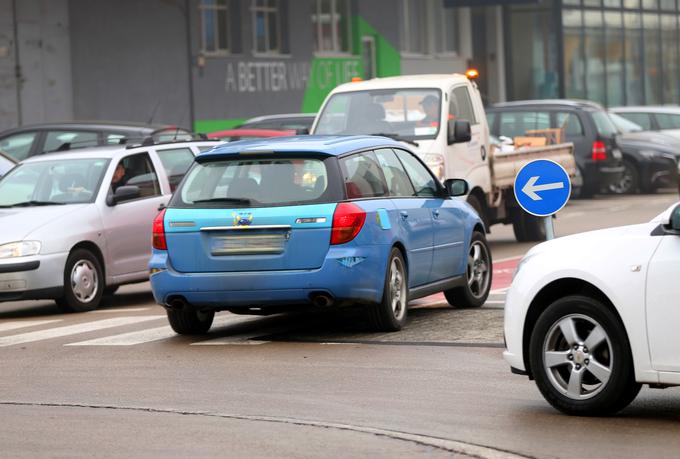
column 390, row 313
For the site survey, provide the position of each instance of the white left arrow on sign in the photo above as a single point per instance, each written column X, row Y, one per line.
column 530, row 188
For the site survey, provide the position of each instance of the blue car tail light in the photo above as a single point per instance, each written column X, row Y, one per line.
column 348, row 219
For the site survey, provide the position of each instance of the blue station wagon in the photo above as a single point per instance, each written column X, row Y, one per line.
column 261, row 225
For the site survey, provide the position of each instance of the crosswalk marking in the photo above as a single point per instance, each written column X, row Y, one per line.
column 105, row 311
column 8, row 326
column 150, row 334
column 59, row 332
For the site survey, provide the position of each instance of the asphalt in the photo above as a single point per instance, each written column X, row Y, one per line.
column 304, row 385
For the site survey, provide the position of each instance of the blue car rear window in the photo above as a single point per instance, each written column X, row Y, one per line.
column 260, row 182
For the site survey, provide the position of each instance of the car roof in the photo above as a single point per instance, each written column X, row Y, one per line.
column 328, row 145
column 404, row 81
column 280, row 116
column 115, row 151
column 574, row 103
column 103, row 125
column 647, row 109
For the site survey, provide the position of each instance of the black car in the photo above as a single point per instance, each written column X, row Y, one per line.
column 586, row 124
column 23, row 142
column 300, row 122
column 650, row 158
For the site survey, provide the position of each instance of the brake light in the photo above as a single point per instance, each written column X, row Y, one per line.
column 158, row 240
column 348, row 219
column 599, row 151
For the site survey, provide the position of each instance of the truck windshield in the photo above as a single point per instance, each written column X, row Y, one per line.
column 410, row 114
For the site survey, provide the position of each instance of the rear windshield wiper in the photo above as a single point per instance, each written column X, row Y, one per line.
column 397, row 137
column 34, row 203
column 233, row 200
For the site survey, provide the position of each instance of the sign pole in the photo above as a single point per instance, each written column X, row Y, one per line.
column 549, row 228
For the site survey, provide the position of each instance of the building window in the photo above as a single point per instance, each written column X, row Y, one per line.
column 215, row 30
column 414, row 27
column 331, row 23
column 428, row 27
column 447, row 31
column 266, row 26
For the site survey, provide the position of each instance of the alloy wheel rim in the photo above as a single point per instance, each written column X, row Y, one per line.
column 397, row 288
column 478, row 269
column 624, row 185
column 578, row 357
column 84, row 281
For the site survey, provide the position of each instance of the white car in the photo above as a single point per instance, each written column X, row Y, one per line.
column 592, row 317
column 76, row 225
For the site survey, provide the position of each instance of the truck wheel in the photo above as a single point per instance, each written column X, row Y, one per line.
column 478, row 276
column 187, row 321
column 83, row 282
column 390, row 313
column 476, row 204
column 528, row 228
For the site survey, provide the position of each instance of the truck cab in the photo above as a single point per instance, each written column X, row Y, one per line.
column 426, row 111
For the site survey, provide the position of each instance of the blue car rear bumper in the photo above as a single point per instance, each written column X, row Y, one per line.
column 347, row 273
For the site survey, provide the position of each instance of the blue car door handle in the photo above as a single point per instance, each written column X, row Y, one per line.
column 404, row 214
column 435, row 213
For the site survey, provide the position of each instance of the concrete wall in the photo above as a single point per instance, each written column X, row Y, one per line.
column 130, row 60
column 43, row 89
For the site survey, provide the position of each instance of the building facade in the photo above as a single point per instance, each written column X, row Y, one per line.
column 214, row 63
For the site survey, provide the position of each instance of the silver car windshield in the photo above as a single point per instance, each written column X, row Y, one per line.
column 62, row 181
column 404, row 113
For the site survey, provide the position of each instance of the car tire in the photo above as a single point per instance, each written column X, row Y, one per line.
column 189, row 321
column 476, row 204
column 527, row 227
column 478, row 276
column 390, row 314
column 630, row 181
column 558, row 353
column 111, row 290
column 83, row 282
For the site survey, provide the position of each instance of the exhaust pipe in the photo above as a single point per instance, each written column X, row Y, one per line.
column 177, row 303
column 322, row 300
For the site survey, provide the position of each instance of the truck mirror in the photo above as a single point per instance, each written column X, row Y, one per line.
column 458, row 131
column 456, row 187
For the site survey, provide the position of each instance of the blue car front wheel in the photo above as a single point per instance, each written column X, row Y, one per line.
column 390, row 313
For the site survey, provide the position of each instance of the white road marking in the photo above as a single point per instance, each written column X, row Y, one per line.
column 151, row 334
column 7, row 326
column 106, row 311
column 494, row 302
column 499, row 291
column 73, row 329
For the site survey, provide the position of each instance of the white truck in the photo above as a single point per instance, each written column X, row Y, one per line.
column 442, row 118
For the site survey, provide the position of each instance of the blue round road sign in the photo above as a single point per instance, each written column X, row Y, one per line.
column 542, row 187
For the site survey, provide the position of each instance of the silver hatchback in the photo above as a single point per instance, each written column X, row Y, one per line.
column 75, row 226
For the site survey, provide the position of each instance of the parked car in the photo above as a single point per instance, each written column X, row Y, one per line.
column 76, row 225
column 650, row 158
column 585, row 124
column 26, row 141
column 591, row 329
column 230, row 135
column 299, row 122
column 6, row 163
column 651, row 118
column 315, row 221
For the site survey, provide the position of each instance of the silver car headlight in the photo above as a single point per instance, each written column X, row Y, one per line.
column 19, row 249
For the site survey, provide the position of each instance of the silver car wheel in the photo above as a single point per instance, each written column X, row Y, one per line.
column 397, row 289
column 578, row 368
column 478, row 269
column 84, row 281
